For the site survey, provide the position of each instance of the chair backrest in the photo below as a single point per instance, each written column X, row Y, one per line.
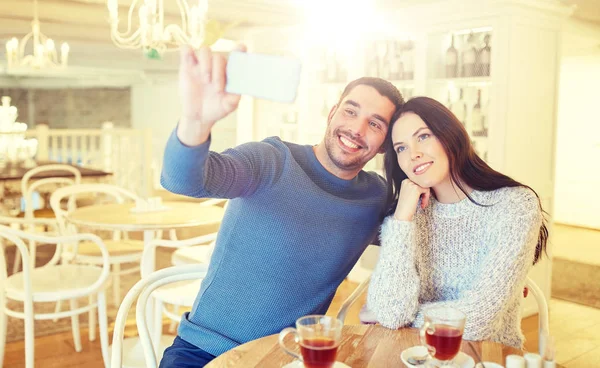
column 543, row 325
column 28, row 187
column 144, row 288
column 341, row 315
column 149, row 254
column 18, row 237
column 119, row 195
column 31, row 225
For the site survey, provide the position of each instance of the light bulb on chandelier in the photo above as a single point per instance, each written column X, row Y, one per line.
column 153, row 35
column 43, row 54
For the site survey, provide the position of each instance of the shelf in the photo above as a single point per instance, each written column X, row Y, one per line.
column 464, row 82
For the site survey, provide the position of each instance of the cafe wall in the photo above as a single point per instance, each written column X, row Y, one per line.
column 72, row 108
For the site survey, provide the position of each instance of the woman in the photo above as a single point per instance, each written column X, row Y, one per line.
column 458, row 234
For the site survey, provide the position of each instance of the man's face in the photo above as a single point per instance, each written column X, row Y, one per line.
column 357, row 127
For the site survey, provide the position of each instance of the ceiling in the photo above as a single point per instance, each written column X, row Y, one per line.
column 84, row 24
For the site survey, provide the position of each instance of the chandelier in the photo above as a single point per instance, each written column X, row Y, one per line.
column 14, row 147
column 44, row 53
column 152, row 34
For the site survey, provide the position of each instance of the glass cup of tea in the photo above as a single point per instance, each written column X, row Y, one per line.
column 318, row 336
column 442, row 334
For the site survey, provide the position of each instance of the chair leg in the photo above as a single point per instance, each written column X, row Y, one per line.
column 32, row 253
column 157, row 331
column 173, row 324
column 103, row 324
column 116, row 284
column 92, row 319
column 75, row 326
column 29, row 334
column 17, row 262
column 3, row 326
column 57, row 310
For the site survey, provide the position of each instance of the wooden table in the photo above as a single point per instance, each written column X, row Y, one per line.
column 16, row 172
column 370, row 346
column 11, row 176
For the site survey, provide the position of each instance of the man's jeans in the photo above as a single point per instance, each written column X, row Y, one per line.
column 182, row 354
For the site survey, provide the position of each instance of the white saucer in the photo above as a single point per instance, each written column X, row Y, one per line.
column 298, row 364
column 462, row 360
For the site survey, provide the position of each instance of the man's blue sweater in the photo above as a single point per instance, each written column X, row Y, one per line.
column 291, row 233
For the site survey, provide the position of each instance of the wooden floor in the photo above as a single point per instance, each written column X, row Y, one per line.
column 576, row 244
column 576, row 329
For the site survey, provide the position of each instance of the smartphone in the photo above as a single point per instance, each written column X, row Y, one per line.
column 264, row 76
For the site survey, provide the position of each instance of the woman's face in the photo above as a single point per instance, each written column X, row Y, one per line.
column 420, row 155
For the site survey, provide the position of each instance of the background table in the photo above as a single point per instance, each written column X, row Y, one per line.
column 115, row 216
column 362, row 346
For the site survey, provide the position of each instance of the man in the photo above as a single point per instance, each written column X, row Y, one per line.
column 298, row 219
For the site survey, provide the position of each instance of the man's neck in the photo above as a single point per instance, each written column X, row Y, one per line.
column 323, row 158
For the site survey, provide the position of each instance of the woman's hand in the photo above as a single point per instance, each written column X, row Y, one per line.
column 410, row 193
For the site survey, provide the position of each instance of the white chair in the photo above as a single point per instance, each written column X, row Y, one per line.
column 53, row 283
column 178, row 295
column 144, row 289
column 543, row 323
column 121, row 250
column 29, row 185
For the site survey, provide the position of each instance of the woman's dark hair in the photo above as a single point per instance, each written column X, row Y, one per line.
column 466, row 167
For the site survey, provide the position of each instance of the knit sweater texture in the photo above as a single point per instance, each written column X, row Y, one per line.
column 291, row 233
column 462, row 255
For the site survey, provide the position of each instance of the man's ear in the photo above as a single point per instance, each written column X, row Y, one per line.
column 331, row 113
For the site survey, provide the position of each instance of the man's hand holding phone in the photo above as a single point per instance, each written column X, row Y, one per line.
column 202, row 79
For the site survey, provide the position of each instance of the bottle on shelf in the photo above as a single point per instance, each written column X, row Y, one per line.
column 469, row 57
column 485, row 56
column 321, row 65
column 331, row 67
column 382, row 62
column 408, row 61
column 449, row 101
column 451, row 61
column 485, row 115
column 342, row 71
column 459, row 109
column 394, row 61
column 477, row 117
column 371, row 60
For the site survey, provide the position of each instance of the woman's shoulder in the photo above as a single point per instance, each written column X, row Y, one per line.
column 514, row 200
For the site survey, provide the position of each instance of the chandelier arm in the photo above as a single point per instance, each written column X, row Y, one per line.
column 184, row 10
column 178, row 34
column 161, row 12
column 130, row 16
column 22, row 45
column 125, row 39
